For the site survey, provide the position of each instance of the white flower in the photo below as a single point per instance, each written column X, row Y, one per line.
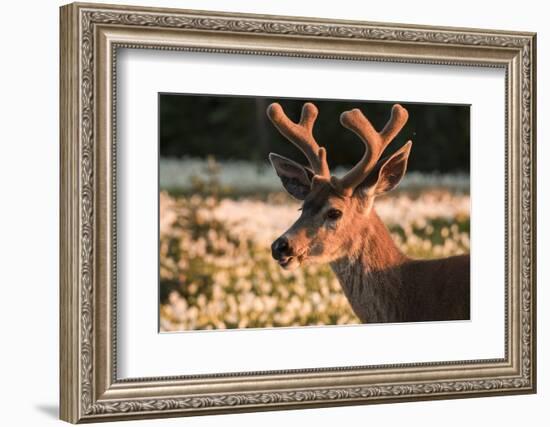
column 222, row 247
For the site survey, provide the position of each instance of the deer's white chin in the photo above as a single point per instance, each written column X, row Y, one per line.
column 290, row 264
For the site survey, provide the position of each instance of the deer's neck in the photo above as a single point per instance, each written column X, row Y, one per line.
column 370, row 274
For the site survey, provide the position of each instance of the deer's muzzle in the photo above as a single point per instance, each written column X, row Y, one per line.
column 280, row 249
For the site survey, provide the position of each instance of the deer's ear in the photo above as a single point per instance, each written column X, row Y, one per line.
column 296, row 178
column 389, row 172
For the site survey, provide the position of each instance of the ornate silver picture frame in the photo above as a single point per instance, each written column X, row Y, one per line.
column 91, row 36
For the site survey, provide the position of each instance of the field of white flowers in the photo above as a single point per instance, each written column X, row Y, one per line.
column 215, row 262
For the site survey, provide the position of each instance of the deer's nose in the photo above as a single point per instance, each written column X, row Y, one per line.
column 280, row 248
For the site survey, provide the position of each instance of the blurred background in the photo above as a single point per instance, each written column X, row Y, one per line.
column 221, row 206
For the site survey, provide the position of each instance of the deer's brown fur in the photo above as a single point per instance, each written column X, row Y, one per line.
column 383, row 285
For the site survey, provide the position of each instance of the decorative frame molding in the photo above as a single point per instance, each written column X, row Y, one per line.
column 90, row 36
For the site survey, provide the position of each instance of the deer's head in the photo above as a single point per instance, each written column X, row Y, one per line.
column 334, row 209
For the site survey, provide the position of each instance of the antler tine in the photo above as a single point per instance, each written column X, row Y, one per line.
column 301, row 135
column 375, row 143
column 398, row 119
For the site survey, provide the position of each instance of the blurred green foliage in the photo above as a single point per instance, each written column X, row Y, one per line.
column 232, row 127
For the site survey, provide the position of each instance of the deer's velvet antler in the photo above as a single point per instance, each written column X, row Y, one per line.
column 375, row 144
column 301, row 135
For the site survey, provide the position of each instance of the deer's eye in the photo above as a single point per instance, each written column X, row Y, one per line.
column 334, row 214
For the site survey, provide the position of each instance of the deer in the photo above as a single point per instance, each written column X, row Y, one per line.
column 339, row 225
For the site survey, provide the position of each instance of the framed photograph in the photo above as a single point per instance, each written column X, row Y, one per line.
column 266, row 212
